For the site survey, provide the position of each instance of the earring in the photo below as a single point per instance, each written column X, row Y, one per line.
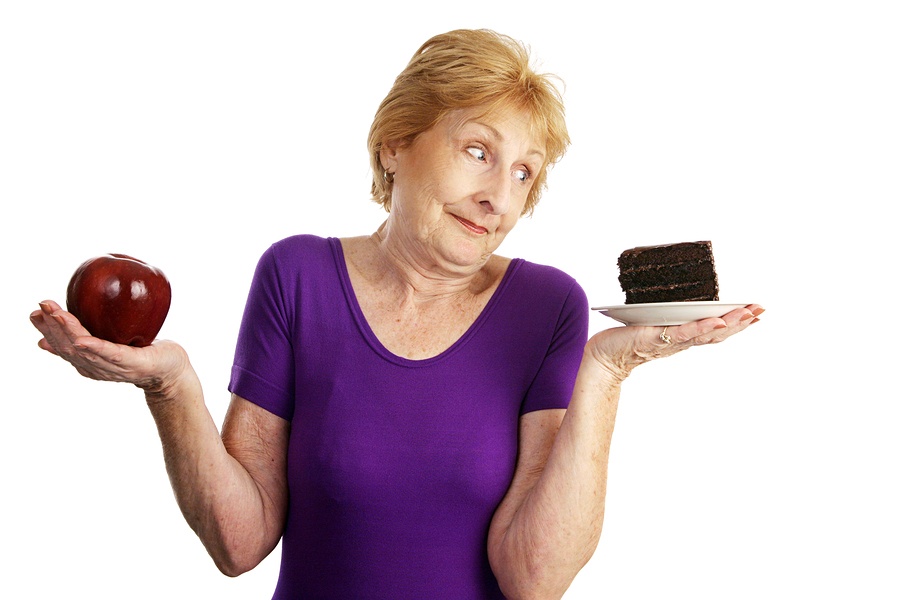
column 388, row 176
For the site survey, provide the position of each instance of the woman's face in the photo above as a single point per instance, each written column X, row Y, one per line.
column 460, row 187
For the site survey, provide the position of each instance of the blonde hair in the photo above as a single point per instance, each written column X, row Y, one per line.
column 466, row 69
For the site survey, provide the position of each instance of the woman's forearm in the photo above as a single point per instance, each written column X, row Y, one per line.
column 556, row 528
column 217, row 496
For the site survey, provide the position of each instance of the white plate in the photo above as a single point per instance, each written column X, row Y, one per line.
column 666, row 313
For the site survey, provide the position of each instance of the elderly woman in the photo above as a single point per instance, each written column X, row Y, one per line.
column 413, row 414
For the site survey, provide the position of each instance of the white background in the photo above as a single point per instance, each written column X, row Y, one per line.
column 193, row 134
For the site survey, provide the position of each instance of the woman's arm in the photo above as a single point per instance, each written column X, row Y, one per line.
column 231, row 488
column 549, row 522
column 548, row 525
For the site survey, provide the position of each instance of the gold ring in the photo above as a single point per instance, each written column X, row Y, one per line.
column 663, row 337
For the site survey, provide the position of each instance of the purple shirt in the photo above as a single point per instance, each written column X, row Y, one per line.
column 396, row 466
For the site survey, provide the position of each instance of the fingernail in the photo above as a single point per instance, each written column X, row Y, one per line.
column 720, row 326
column 746, row 316
column 45, row 307
column 758, row 312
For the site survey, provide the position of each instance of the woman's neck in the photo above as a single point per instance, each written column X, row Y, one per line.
column 412, row 273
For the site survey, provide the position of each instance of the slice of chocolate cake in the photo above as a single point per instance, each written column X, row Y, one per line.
column 683, row 272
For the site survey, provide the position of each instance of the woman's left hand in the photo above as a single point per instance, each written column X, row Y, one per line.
column 620, row 349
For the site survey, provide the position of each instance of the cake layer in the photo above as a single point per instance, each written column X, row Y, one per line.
column 651, row 275
column 665, row 254
column 687, row 292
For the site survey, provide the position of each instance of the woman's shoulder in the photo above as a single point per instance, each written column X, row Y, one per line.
column 300, row 248
column 301, row 241
column 544, row 284
column 548, row 274
column 301, row 253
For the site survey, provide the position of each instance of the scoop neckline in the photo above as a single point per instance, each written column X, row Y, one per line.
column 375, row 343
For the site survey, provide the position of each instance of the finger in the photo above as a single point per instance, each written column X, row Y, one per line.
column 734, row 322
column 740, row 319
column 37, row 319
column 705, row 330
column 49, row 306
column 660, row 342
column 94, row 358
column 689, row 334
column 757, row 310
column 43, row 344
column 63, row 334
column 100, row 351
column 742, row 314
column 60, row 328
column 70, row 324
column 45, row 322
column 97, row 365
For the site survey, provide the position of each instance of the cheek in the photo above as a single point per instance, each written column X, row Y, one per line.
column 509, row 221
column 430, row 183
column 445, row 186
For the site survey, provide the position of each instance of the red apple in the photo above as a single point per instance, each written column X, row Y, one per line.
column 120, row 299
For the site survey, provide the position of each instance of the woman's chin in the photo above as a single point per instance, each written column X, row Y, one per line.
column 467, row 254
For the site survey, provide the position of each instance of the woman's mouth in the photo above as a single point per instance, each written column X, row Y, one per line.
column 471, row 226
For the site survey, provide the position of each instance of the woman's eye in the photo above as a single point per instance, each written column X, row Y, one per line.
column 478, row 153
column 522, row 174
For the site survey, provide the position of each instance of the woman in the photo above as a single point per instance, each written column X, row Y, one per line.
column 415, row 415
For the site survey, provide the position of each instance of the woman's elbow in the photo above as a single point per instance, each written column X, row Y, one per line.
column 532, row 580
column 537, row 575
column 238, row 556
column 234, row 565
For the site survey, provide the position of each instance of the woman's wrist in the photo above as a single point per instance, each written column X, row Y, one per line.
column 611, row 368
column 601, row 372
column 173, row 378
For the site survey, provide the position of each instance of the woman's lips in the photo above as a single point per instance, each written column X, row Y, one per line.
column 471, row 226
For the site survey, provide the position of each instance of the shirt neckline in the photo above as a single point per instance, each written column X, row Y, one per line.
column 373, row 341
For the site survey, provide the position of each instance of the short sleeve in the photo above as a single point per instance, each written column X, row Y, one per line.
column 552, row 386
column 262, row 371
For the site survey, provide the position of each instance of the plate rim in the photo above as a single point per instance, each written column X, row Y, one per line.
column 620, row 312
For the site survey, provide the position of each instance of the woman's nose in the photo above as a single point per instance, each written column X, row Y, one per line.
column 495, row 198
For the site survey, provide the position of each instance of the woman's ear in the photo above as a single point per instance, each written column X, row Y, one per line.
column 388, row 157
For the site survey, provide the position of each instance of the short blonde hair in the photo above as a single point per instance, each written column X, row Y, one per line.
column 467, row 69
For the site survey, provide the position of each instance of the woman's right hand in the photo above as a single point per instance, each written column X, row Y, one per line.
column 231, row 487
column 151, row 368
